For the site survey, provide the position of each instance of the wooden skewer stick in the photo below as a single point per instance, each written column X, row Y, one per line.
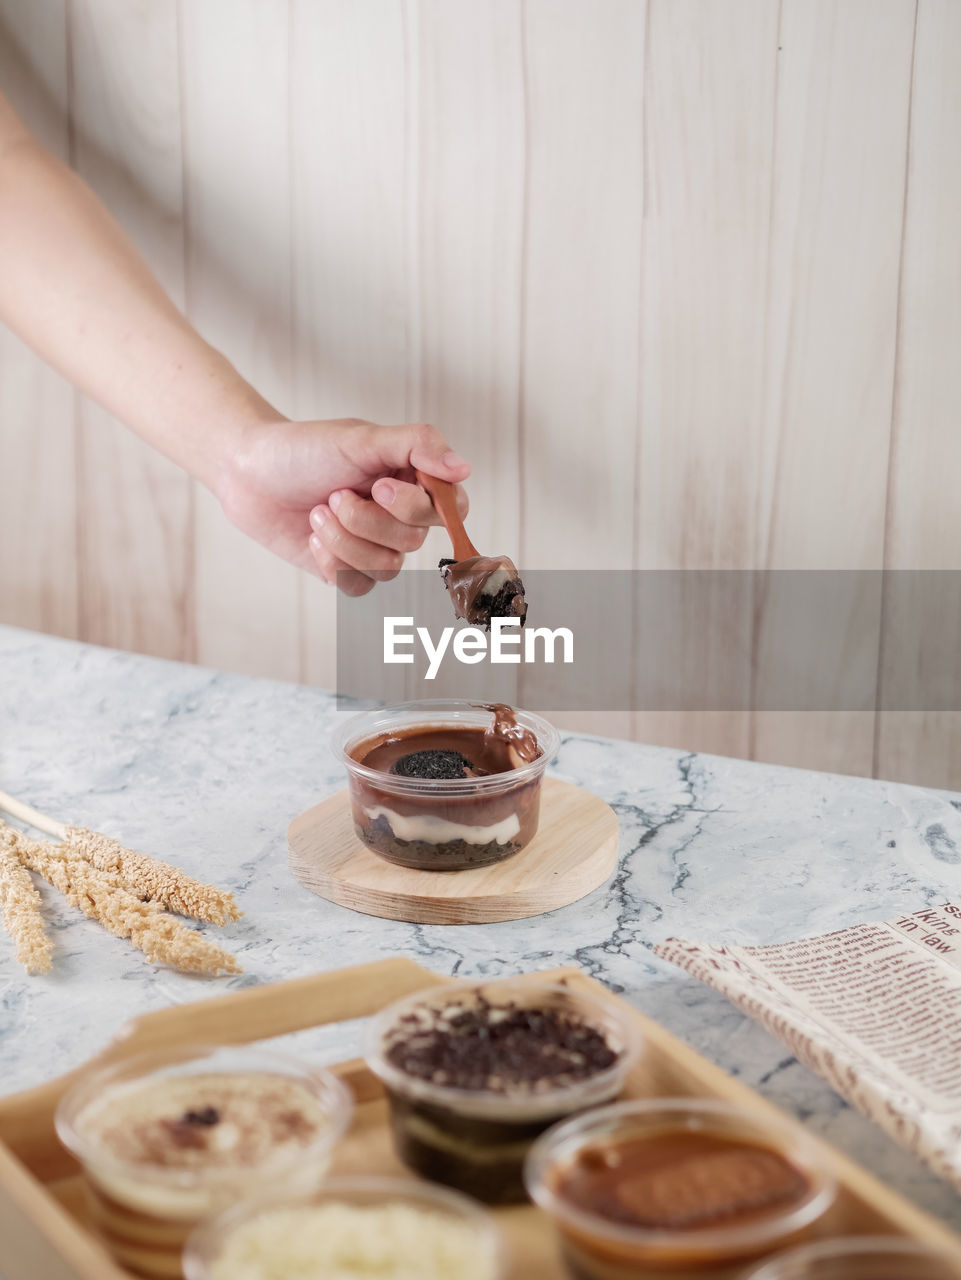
column 11, row 805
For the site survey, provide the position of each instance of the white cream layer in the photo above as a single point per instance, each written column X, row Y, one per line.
column 494, row 581
column 433, row 830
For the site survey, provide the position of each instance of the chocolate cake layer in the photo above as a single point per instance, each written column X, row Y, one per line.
column 423, row 855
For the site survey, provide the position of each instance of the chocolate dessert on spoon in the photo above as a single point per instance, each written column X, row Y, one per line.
column 481, row 587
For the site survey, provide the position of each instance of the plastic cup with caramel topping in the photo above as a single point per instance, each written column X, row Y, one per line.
column 474, row 1072
column 861, row 1258
column 167, row 1138
column 445, row 785
column 675, row 1188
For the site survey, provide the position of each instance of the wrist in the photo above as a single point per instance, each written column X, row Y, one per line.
column 225, row 451
column 217, row 415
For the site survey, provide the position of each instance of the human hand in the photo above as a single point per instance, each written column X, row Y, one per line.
column 337, row 498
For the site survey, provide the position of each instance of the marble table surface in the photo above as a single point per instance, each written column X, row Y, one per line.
column 207, row 770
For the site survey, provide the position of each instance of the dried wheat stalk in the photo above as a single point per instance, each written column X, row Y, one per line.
column 20, row 907
column 162, row 883
column 102, row 896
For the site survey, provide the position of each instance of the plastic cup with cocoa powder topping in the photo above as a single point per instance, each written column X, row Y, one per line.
column 351, row 1225
column 475, row 1137
column 447, row 823
column 676, row 1187
column 861, row 1258
column 167, row 1138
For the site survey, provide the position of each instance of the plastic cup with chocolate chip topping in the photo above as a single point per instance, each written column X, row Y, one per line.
column 676, row 1187
column 167, row 1138
column 363, row 1227
column 475, row 1071
column 443, row 784
column 861, row 1258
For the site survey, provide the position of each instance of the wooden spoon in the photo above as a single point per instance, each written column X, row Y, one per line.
column 480, row 587
column 441, row 493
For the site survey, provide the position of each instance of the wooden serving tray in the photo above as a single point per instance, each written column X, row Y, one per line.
column 573, row 853
column 43, row 1235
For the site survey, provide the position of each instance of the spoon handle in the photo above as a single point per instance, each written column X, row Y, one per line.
column 442, row 495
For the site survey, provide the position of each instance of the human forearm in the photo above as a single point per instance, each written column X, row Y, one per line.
column 74, row 288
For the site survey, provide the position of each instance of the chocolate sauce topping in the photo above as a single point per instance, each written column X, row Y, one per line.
column 484, row 587
column 681, row 1181
column 503, row 745
column 504, row 729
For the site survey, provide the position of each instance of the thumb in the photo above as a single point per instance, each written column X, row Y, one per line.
column 418, row 444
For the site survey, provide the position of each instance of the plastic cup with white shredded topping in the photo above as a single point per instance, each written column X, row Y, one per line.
column 166, row 1139
column 387, row 1228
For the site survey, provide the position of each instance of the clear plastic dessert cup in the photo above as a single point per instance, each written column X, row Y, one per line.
column 861, row 1258
column 476, row 1139
column 351, row 1226
column 167, row 1138
column 442, row 824
column 621, row 1216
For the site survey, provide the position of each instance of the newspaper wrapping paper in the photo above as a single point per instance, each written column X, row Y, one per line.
column 874, row 1009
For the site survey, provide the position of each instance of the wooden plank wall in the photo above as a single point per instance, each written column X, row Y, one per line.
column 39, row 567
column 681, row 278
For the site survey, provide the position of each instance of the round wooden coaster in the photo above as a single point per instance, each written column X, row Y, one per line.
column 574, row 852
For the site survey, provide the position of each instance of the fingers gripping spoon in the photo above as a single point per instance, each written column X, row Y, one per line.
column 481, row 587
